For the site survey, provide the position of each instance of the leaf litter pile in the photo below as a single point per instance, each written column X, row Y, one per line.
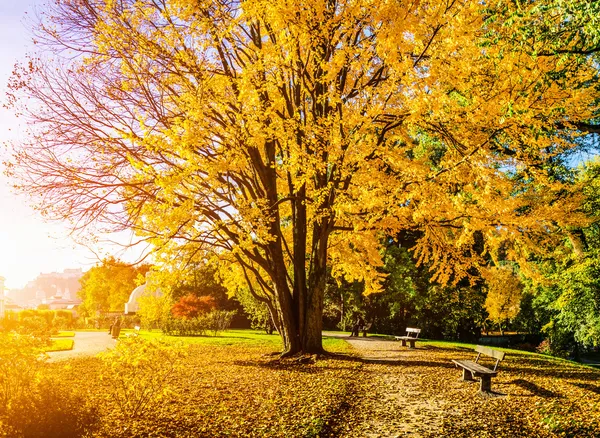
column 375, row 388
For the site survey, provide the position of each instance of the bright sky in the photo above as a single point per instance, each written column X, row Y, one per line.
column 28, row 245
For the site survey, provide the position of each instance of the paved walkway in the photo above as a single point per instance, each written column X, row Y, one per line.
column 86, row 344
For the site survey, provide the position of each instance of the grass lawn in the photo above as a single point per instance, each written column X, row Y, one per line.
column 60, row 345
column 228, row 337
column 64, row 334
column 231, row 385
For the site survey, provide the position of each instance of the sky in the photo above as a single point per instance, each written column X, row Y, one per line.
column 28, row 245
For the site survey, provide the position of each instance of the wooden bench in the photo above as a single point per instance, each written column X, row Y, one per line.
column 136, row 331
column 475, row 369
column 412, row 335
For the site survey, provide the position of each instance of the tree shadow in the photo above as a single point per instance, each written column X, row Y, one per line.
column 542, row 369
column 445, row 349
column 589, row 387
column 298, row 364
column 534, row 389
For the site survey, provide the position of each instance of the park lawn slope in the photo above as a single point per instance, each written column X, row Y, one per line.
column 233, row 385
column 238, row 390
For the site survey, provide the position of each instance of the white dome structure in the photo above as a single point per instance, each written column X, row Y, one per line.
column 132, row 306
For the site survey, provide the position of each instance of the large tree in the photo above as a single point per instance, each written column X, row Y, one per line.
column 283, row 136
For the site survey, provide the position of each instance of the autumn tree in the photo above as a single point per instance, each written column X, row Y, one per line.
column 504, row 291
column 107, row 286
column 282, row 137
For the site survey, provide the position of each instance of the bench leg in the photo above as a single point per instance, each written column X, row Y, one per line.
column 403, row 342
column 412, row 344
column 486, row 384
column 467, row 375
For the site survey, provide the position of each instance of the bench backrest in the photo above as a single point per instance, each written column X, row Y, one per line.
column 487, row 351
column 416, row 332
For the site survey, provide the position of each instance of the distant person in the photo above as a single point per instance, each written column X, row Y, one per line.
column 116, row 328
column 358, row 323
column 361, row 324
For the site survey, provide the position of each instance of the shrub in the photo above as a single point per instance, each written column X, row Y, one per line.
column 36, row 326
column 63, row 319
column 544, row 347
column 215, row 321
column 9, row 322
column 154, row 311
column 49, row 409
column 32, row 404
column 183, row 327
column 21, row 359
column 139, row 372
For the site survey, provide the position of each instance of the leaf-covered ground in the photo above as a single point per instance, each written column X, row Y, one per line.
column 375, row 388
column 419, row 393
column 235, row 390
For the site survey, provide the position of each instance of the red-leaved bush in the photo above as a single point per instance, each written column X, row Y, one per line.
column 190, row 306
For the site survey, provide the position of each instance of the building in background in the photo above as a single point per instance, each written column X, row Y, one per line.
column 56, row 289
column 132, row 306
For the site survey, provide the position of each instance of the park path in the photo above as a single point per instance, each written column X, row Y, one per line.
column 86, row 344
column 401, row 392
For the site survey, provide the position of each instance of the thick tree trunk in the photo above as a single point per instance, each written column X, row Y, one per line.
column 312, row 337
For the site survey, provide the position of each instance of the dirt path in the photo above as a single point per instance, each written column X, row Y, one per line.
column 417, row 393
column 86, row 344
column 398, row 391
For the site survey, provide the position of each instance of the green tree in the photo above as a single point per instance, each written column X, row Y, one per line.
column 257, row 311
column 564, row 286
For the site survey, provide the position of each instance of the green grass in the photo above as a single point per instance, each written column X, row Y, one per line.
column 64, row 334
column 235, row 337
column 60, row 345
column 511, row 351
column 228, row 337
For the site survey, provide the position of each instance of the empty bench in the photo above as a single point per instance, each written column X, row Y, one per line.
column 136, row 332
column 475, row 369
column 411, row 336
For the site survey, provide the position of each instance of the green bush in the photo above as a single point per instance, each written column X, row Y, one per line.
column 139, row 372
column 215, row 321
column 63, row 320
column 183, row 327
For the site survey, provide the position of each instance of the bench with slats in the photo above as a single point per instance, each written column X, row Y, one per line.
column 412, row 335
column 473, row 369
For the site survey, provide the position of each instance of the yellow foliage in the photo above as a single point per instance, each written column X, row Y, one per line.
column 504, row 293
column 284, row 135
